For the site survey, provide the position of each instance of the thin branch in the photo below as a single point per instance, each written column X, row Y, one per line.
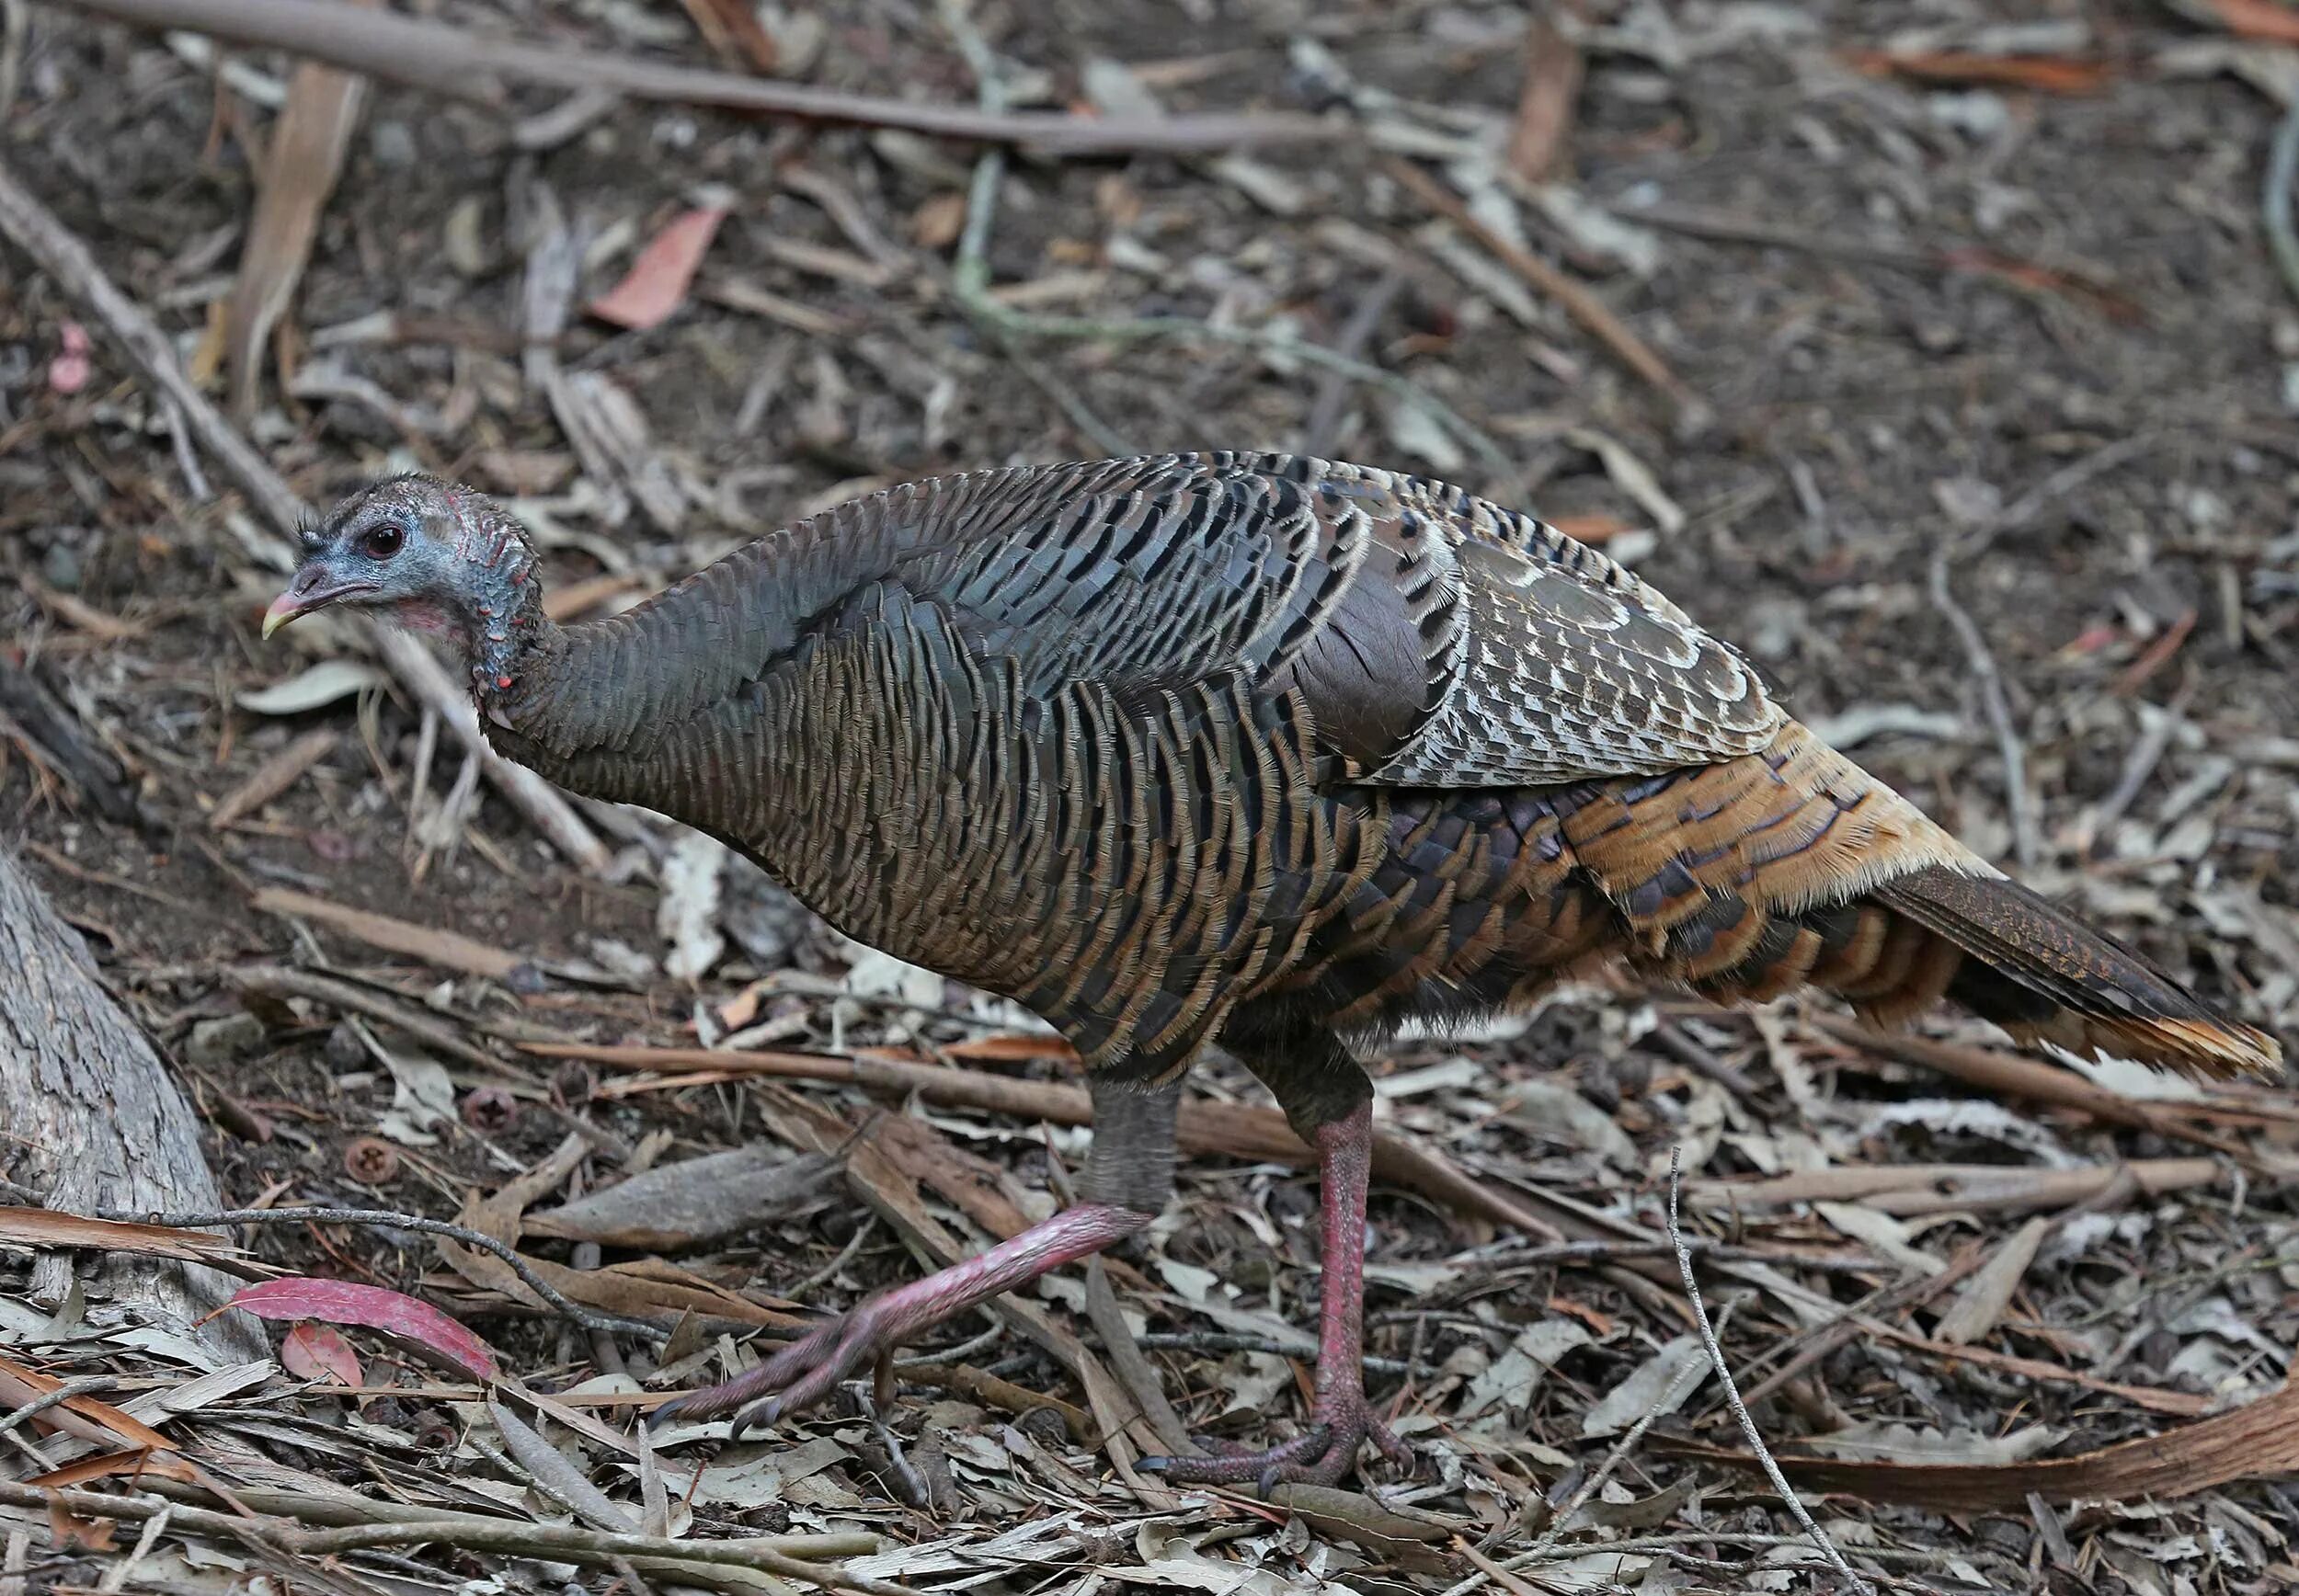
column 1737, row 1540
column 1665, row 1403
column 439, row 58
column 1277, row 345
column 84, row 1386
column 589, row 1318
column 1732, row 1390
column 2027, row 837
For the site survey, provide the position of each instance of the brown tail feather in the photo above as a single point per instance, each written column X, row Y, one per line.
column 2042, row 975
column 1797, row 867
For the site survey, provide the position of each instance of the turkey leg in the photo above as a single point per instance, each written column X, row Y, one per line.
column 1342, row 1420
column 1128, row 1176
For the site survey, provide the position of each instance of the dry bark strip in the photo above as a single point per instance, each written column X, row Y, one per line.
column 438, row 58
column 1912, row 1189
column 94, row 1119
column 2258, row 1440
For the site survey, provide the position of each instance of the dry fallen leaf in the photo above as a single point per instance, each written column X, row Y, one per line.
column 300, row 171
column 657, row 282
column 314, row 688
column 310, row 1351
column 68, row 1529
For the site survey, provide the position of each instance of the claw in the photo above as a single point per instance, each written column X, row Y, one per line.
column 1323, row 1455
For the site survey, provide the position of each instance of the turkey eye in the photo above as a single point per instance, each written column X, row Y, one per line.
column 382, row 542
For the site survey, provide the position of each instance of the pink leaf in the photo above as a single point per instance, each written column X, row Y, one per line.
column 312, row 1352
column 344, row 1302
column 656, row 283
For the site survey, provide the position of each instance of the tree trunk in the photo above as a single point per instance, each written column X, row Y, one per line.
column 90, row 1119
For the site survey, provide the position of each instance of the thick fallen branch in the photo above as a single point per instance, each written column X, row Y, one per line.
column 53, row 248
column 438, row 57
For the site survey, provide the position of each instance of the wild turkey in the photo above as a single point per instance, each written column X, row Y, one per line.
column 1245, row 748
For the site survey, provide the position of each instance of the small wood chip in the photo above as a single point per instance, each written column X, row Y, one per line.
column 272, row 778
column 445, row 949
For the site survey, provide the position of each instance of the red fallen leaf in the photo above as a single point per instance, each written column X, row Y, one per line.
column 656, row 283
column 344, row 1301
column 312, row 1352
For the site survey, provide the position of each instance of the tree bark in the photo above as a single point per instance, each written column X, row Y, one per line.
column 90, row 1119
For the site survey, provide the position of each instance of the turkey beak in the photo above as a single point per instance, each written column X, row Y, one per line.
column 314, row 588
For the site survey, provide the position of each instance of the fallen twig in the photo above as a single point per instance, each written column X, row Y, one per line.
column 33, row 229
column 1579, row 301
column 2008, row 1074
column 273, row 777
column 589, row 1318
column 1732, row 1390
column 279, row 981
column 1232, row 1130
column 445, row 949
column 2283, row 166
column 1912, row 1189
column 2027, row 837
column 438, row 57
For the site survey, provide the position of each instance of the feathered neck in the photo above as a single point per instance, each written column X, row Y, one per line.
column 504, row 625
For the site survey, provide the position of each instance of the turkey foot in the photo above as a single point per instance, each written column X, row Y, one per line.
column 1342, row 1420
column 808, row 1369
column 1322, row 1455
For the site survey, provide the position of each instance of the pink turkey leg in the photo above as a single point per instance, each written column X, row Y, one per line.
column 808, row 1369
column 1340, row 1418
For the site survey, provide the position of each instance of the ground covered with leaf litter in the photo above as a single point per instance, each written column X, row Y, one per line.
column 1946, row 369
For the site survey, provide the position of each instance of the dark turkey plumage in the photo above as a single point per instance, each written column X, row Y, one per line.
column 1254, row 750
